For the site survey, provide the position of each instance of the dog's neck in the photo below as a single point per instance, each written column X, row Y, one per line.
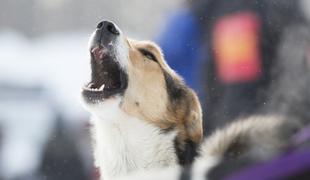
column 124, row 144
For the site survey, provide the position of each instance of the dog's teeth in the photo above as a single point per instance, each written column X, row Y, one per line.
column 101, row 87
column 93, row 89
column 90, row 84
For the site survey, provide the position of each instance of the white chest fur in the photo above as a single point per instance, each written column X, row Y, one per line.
column 124, row 144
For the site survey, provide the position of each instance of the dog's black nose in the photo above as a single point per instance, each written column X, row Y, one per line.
column 109, row 27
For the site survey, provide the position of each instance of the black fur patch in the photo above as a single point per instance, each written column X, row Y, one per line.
column 187, row 153
column 175, row 89
column 236, row 149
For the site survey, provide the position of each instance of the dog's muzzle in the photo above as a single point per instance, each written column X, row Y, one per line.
column 107, row 77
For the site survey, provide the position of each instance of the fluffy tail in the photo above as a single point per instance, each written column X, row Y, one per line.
column 259, row 135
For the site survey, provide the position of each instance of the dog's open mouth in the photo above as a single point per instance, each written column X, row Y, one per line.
column 108, row 78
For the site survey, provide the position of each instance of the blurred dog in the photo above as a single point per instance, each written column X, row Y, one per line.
column 144, row 116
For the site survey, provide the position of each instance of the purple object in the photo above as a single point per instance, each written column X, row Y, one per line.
column 286, row 166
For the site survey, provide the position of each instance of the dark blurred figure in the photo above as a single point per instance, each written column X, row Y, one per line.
column 61, row 159
column 242, row 39
column 226, row 50
column 290, row 98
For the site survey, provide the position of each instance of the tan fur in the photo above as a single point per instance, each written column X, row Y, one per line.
column 188, row 117
column 146, row 96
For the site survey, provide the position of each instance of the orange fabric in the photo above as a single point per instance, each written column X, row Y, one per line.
column 236, row 47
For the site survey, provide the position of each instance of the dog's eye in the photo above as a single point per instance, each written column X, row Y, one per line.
column 148, row 54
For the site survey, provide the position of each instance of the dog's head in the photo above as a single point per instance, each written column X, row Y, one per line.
column 136, row 74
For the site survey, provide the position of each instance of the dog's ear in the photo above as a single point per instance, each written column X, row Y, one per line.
column 193, row 123
column 184, row 108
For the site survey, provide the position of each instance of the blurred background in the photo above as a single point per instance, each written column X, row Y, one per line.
column 44, row 61
column 44, row 131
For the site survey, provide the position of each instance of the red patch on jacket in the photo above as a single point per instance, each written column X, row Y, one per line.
column 236, row 47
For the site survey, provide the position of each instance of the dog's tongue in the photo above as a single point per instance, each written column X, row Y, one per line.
column 98, row 53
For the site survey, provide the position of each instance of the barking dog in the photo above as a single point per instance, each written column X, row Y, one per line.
column 144, row 116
